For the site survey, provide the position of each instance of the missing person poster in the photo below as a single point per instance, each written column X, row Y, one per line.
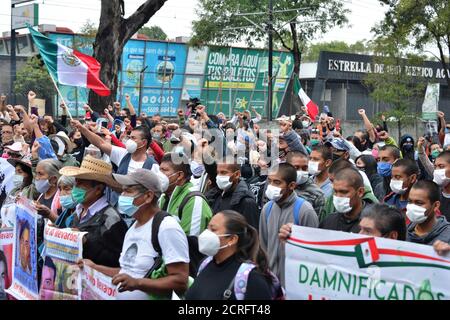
column 61, row 278
column 6, row 253
column 324, row 264
column 24, row 277
column 96, row 285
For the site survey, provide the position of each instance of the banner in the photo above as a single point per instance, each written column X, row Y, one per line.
column 430, row 104
column 195, row 66
column 61, row 278
column 7, row 172
column 324, row 264
column 96, row 285
column 6, row 252
column 24, row 278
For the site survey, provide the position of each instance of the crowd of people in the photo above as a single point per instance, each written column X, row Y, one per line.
column 203, row 205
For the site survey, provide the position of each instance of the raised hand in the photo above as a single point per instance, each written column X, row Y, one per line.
column 361, row 112
column 127, row 97
column 383, row 135
column 421, row 143
column 441, row 114
column 76, row 124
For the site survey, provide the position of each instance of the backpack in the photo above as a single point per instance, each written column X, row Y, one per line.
column 195, row 256
column 297, row 206
column 238, row 284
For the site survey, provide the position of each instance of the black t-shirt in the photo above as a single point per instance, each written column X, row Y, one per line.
column 338, row 222
column 212, row 282
column 445, row 206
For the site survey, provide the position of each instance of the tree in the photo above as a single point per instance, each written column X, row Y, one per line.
column 219, row 24
column 154, row 33
column 88, row 29
column 33, row 76
column 312, row 52
column 393, row 85
column 424, row 22
column 113, row 33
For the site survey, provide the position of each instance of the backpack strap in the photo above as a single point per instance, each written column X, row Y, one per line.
column 186, row 200
column 157, row 220
column 297, row 206
column 268, row 210
column 241, row 280
column 204, row 263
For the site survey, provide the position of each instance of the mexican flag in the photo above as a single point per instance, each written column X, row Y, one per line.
column 68, row 66
column 313, row 109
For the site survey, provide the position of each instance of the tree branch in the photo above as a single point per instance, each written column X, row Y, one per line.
column 140, row 17
column 282, row 41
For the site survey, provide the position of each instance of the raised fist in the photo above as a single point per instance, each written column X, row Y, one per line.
column 362, row 111
column 127, row 97
column 31, row 96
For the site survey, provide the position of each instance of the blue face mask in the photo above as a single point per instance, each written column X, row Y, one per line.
column 67, row 201
column 126, row 205
column 384, row 169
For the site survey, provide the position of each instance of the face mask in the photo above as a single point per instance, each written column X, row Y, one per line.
column 42, row 186
column 131, row 146
column 18, row 180
column 67, row 201
column 126, row 206
column 223, row 182
column 273, row 193
column 305, row 124
column 209, row 243
column 197, row 169
column 156, row 136
column 416, row 213
column 314, row 142
column 435, row 153
column 342, row 204
column 397, row 186
column 384, row 169
column 78, row 142
column 302, row 177
column 78, row 194
column 164, row 180
column 408, row 147
column 313, row 168
column 440, row 178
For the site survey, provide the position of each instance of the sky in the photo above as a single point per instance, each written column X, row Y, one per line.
column 175, row 16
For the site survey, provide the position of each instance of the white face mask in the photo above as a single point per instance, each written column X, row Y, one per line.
column 342, row 204
column 416, row 213
column 305, row 124
column 209, row 243
column 397, row 186
column 223, row 182
column 42, row 186
column 18, row 180
column 273, row 193
column 440, row 178
column 197, row 169
column 302, row 177
column 131, row 146
column 313, row 168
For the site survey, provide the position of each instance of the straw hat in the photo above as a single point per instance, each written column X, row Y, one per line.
column 92, row 169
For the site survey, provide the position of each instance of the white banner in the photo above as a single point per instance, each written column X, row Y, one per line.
column 324, row 264
column 430, row 104
column 61, row 278
column 96, row 285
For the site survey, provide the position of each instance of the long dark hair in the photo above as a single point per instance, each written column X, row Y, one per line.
column 370, row 164
column 248, row 247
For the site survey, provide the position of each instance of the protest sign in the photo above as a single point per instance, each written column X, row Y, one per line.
column 96, row 285
column 25, row 282
column 6, row 177
column 6, row 249
column 324, row 264
column 61, row 278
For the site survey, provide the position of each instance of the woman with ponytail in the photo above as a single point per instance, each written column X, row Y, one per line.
column 233, row 249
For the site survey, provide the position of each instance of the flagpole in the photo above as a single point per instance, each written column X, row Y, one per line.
column 61, row 96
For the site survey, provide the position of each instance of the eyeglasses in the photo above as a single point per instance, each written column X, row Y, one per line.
column 7, row 132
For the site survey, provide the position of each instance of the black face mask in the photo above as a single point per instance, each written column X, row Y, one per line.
column 336, row 157
column 78, row 142
column 408, row 147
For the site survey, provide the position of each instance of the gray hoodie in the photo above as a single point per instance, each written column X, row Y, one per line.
column 440, row 231
column 268, row 232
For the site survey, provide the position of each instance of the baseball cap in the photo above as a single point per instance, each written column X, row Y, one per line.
column 143, row 177
column 16, row 147
column 338, row 144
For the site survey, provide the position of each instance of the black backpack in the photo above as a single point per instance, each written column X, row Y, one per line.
column 195, row 257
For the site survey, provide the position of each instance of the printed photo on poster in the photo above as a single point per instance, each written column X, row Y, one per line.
column 6, row 248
